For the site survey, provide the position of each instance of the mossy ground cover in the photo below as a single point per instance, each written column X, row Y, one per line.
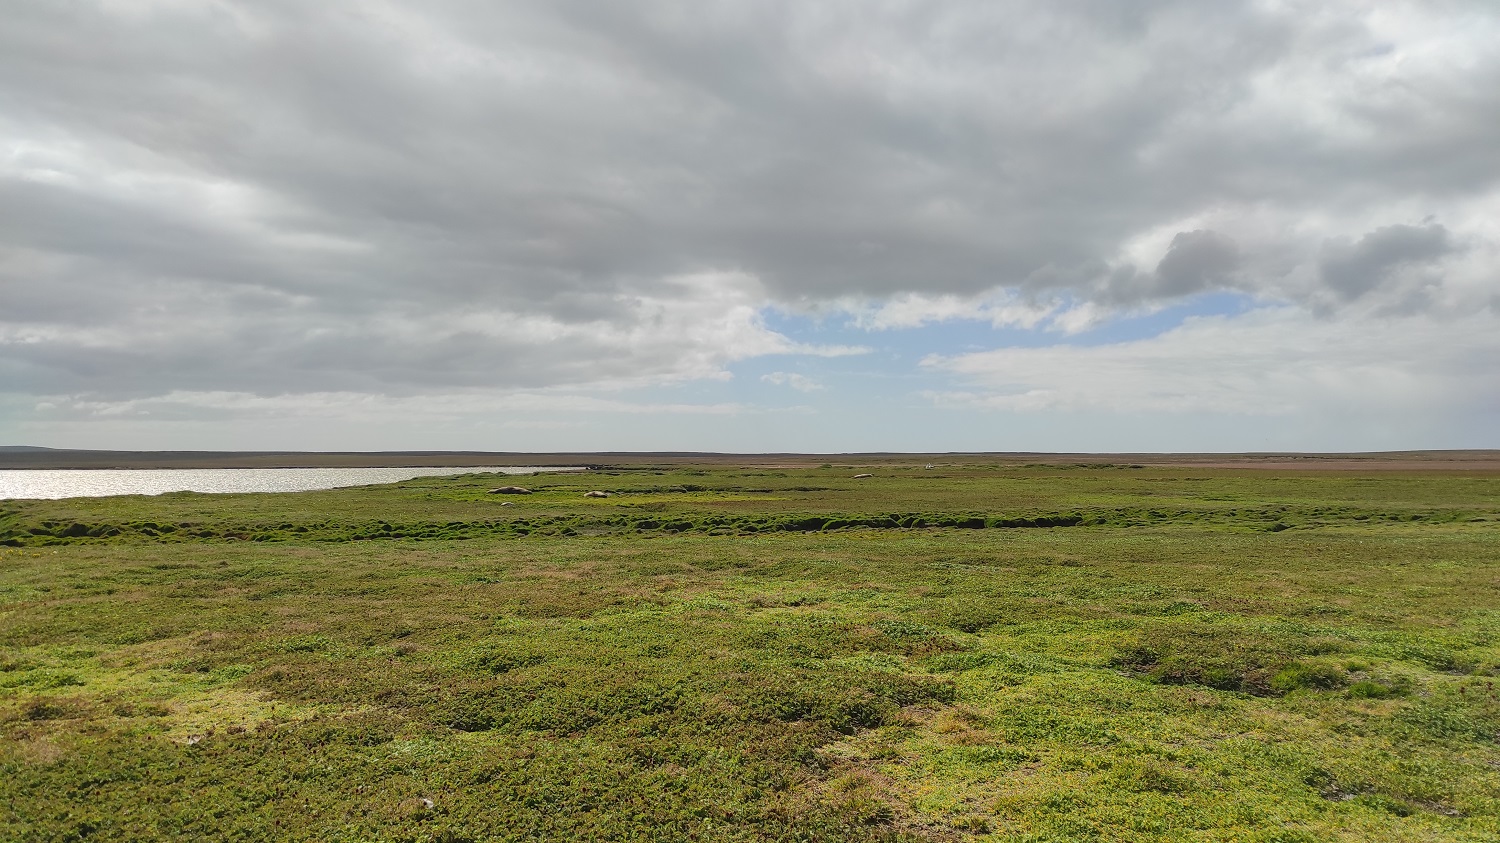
column 646, row 499
column 1197, row 655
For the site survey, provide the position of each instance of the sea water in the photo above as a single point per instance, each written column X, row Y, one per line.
column 93, row 483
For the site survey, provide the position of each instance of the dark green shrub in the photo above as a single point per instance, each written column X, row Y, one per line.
column 503, row 661
column 1226, row 659
column 968, row 615
column 1300, row 675
column 1371, row 690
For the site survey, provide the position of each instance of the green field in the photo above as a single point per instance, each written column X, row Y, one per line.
column 985, row 651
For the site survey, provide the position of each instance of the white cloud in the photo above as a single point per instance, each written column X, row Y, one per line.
column 668, row 330
column 1002, row 308
column 1268, row 362
column 350, row 406
column 801, row 383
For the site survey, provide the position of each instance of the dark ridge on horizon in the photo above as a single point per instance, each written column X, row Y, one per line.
column 32, row 457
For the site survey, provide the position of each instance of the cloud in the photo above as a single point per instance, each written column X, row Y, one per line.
column 675, row 329
column 801, row 383
column 1355, row 269
column 386, row 199
column 1269, row 363
column 1195, row 261
column 509, row 408
column 1001, row 308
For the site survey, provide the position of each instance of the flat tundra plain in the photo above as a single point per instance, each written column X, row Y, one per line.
column 1012, row 649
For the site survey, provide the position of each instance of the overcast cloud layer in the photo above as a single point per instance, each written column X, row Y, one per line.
column 750, row 225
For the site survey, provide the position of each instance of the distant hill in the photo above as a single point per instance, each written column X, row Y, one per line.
column 24, row 456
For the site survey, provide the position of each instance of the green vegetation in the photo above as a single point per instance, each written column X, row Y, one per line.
column 992, row 652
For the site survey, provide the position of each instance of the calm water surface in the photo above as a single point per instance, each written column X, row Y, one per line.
column 84, row 483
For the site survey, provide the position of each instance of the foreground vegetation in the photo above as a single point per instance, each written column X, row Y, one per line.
column 984, row 651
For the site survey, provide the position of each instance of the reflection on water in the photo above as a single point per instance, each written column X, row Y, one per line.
column 88, row 483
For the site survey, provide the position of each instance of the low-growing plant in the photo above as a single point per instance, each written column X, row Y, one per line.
column 1302, row 674
column 1371, row 690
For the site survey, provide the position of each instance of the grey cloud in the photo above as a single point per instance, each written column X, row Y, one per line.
column 256, row 192
column 1196, row 260
column 265, row 357
column 1353, row 269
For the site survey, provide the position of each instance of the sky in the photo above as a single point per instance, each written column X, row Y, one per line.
column 758, row 226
